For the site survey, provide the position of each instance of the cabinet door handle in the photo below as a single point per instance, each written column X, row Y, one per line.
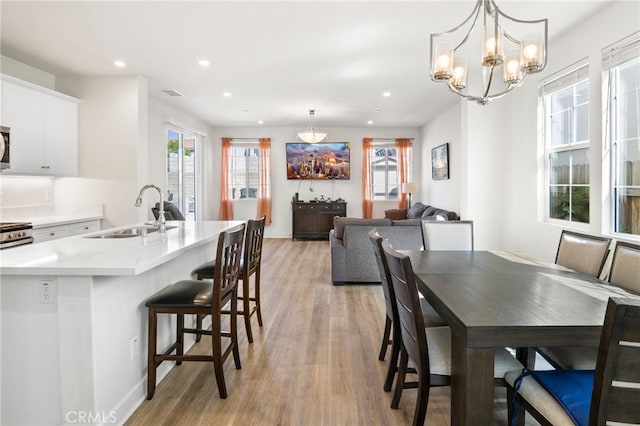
column 52, row 234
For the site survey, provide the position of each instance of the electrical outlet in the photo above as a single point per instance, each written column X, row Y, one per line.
column 134, row 347
column 48, row 291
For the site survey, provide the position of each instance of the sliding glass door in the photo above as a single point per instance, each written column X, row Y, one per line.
column 181, row 171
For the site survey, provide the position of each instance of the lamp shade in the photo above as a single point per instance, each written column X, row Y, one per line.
column 312, row 136
column 409, row 188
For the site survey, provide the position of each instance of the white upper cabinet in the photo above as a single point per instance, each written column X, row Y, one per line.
column 44, row 129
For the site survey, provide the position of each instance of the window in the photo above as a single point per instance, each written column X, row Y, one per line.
column 244, row 171
column 565, row 114
column 622, row 78
column 384, row 172
column 181, row 171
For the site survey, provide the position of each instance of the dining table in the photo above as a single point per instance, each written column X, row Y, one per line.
column 493, row 299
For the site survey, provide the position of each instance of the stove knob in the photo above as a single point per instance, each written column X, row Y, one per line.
column 20, row 234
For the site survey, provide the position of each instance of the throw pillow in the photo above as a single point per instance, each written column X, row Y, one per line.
column 429, row 211
column 416, row 211
column 395, row 214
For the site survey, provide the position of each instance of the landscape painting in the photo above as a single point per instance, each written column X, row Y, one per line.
column 440, row 162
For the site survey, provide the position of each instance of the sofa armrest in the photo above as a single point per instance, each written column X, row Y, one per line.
column 338, row 261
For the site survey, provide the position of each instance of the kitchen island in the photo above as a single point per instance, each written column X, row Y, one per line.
column 74, row 324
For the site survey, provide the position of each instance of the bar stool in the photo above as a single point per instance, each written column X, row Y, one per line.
column 249, row 265
column 200, row 298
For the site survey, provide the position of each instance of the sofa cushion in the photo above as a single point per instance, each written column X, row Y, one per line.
column 340, row 222
column 416, row 211
column 395, row 214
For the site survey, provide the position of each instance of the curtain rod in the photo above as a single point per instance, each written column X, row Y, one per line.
column 389, row 139
column 243, row 139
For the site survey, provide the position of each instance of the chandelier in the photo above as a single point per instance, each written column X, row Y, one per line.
column 509, row 46
column 311, row 135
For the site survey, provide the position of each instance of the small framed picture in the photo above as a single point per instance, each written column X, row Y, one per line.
column 440, row 162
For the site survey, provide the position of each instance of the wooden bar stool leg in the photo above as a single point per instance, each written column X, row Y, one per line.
column 246, row 308
column 216, row 348
column 257, row 297
column 151, row 354
column 234, row 331
column 180, row 337
column 199, row 318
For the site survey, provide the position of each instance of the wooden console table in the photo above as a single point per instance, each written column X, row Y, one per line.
column 315, row 220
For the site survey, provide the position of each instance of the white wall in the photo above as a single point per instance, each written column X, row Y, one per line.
column 112, row 139
column 446, row 128
column 503, row 149
column 284, row 190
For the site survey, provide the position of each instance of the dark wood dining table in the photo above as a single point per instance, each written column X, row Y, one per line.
column 498, row 299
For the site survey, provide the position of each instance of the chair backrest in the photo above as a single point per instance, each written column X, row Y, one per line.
column 227, row 264
column 385, row 278
column 616, row 390
column 448, row 235
column 625, row 266
column 582, row 253
column 253, row 245
column 403, row 280
column 171, row 211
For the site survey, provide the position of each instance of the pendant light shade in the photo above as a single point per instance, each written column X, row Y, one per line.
column 312, row 135
column 517, row 46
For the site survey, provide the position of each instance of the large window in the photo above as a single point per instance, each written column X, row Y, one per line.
column 565, row 114
column 384, row 171
column 244, row 170
column 181, row 171
column 622, row 74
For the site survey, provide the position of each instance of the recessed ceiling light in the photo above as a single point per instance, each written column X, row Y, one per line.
column 227, row 94
column 204, row 63
column 370, row 122
column 386, row 94
column 260, row 122
column 376, row 111
column 120, row 64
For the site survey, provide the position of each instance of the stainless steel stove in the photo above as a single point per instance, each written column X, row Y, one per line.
column 15, row 234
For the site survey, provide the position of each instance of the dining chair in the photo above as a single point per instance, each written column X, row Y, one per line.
column 171, row 211
column 448, row 235
column 610, row 394
column 624, row 273
column 582, row 253
column 249, row 266
column 392, row 324
column 429, row 349
column 200, row 298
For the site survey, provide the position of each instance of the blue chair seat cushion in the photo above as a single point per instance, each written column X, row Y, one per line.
column 571, row 388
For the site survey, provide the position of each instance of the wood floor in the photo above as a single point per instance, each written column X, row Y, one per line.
column 315, row 361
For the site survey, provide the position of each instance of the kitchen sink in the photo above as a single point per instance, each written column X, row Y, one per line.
column 134, row 231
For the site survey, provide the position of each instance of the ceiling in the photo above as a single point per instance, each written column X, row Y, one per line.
column 276, row 59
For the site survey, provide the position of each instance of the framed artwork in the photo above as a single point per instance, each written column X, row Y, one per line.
column 440, row 162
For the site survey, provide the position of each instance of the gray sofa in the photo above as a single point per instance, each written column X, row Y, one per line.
column 352, row 259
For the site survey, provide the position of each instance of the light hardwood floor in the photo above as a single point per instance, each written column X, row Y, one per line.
column 315, row 361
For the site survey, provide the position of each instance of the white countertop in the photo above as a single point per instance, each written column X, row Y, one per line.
column 84, row 256
column 57, row 220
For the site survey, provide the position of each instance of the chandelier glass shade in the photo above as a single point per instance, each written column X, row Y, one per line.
column 507, row 50
column 311, row 134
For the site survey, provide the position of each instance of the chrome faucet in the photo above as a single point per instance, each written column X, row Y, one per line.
column 160, row 223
